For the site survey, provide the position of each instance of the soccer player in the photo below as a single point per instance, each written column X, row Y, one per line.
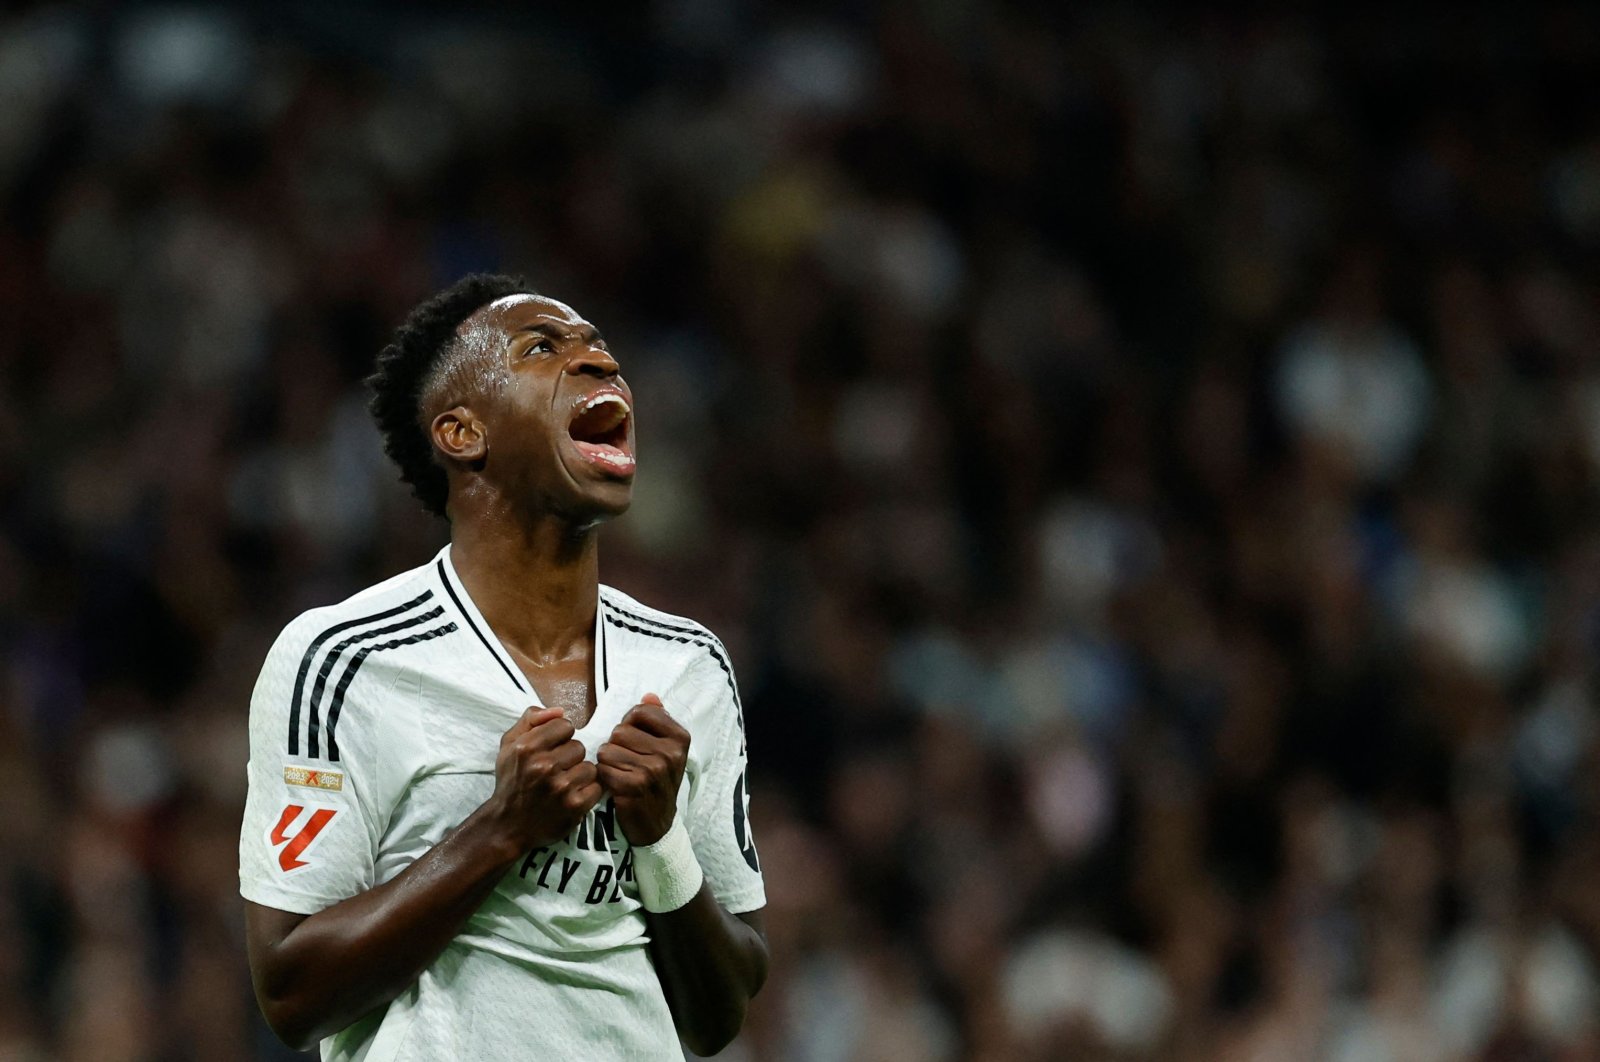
column 497, row 810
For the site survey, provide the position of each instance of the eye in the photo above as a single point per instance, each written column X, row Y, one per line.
column 543, row 346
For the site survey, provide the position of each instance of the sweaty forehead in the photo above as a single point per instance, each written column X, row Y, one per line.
column 511, row 312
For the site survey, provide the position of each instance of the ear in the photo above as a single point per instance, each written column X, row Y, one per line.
column 460, row 436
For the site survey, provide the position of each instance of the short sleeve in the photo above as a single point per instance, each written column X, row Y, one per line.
column 719, row 805
column 320, row 779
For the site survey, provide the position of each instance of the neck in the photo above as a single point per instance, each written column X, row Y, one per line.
column 536, row 581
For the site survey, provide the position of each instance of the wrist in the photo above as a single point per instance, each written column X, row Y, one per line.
column 491, row 833
column 667, row 871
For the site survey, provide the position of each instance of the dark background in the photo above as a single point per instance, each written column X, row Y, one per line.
column 1142, row 464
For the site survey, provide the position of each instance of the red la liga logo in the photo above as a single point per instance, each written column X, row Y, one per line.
column 298, row 833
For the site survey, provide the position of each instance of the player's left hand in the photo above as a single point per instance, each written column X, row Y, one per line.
column 642, row 767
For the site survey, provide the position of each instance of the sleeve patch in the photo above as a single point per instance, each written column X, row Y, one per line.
column 332, row 781
column 741, row 825
column 299, row 828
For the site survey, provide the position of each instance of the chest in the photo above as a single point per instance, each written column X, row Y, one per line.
column 567, row 684
column 465, row 700
column 579, row 892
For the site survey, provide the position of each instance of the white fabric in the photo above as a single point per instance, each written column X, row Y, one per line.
column 555, row 961
column 669, row 875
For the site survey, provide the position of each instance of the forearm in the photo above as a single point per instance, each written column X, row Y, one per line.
column 332, row 967
column 710, row 964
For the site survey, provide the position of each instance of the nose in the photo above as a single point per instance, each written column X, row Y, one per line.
column 593, row 361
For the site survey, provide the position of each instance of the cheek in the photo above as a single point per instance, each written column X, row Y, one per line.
column 527, row 417
column 530, row 436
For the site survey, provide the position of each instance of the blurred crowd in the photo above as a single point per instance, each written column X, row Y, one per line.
column 1143, row 466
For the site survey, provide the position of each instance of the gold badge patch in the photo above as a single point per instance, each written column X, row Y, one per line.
column 332, row 780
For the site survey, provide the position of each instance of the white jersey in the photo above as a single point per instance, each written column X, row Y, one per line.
column 373, row 732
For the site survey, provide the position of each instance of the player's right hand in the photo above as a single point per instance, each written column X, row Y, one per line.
column 543, row 785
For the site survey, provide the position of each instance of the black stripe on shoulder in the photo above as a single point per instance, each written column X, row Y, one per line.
column 445, row 579
column 706, row 641
column 312, row 723
column 696, row 630
column 317, row 643
column 349, row 675
column 700, row 635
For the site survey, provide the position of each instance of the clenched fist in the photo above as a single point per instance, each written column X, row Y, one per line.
column 642, row 767
column 543, row 785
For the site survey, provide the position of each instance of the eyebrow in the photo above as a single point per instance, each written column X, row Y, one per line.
column 588, row 333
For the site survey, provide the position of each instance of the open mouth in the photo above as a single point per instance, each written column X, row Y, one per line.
column 599, row 429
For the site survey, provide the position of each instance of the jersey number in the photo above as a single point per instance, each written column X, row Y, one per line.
column 296, row 844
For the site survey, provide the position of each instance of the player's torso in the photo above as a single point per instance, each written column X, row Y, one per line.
column 460, row 694
column 394, row 703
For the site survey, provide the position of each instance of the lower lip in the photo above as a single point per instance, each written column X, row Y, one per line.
column 609, row 458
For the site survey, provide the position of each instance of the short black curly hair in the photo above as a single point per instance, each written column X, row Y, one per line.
column 404, row 367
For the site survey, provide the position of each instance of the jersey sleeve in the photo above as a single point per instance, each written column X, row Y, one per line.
column 321, row 779
column 719, row 803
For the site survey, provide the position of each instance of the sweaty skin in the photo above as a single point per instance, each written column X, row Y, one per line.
column 525, row 503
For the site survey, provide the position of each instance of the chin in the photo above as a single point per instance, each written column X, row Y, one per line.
column 599, row 504
column 613, row 508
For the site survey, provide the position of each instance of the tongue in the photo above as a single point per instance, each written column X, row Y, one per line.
column 604, row 454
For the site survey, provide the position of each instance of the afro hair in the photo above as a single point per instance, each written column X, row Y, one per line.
column 404, row 368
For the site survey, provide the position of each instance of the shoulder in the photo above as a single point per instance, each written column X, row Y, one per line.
column 629, row 606
column 394, row 606
column 631, row 614
column 328, row 658
column 692, row 639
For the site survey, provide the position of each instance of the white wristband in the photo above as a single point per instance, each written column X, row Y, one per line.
column 669, row 875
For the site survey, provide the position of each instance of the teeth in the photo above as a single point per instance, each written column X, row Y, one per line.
column 607, row 396
column 614, row 457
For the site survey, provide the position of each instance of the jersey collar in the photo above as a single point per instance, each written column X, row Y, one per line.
column 456, row 591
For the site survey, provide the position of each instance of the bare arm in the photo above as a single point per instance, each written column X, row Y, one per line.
column 316, row 974
column 710, row 963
